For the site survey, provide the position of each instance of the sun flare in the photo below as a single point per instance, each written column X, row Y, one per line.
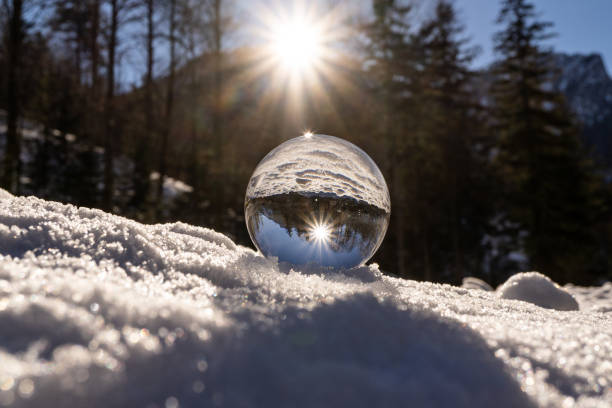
column 297, row 44
column 300, row 51
column 299, row 38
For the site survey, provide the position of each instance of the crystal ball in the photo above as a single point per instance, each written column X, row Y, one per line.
column 317, row 199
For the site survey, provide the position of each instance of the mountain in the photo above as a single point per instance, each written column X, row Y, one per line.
column 587, row 87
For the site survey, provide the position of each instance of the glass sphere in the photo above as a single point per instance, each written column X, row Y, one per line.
column 317, row 199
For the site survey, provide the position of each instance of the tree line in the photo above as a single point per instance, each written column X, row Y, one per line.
column 486, row 169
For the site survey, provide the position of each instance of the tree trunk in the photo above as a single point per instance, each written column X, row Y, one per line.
column 79, row 41
column 142, row 170
column 13, row 151
column 149, row 80
column 455, row 228
column 169, row 108
column 95, row 26
column 109, row 179
column 426, row 257
column 398, row 209
column 217, row 119
column 42, row 165
column 90, row 129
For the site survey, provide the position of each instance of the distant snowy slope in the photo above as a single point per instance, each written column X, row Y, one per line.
column 97, row 311
column 66, row 161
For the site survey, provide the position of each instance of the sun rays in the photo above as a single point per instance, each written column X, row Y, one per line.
column 301, row 56
column 298, row 45
column 298, row 41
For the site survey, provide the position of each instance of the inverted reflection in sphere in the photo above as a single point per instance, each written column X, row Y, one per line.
column 317, row 199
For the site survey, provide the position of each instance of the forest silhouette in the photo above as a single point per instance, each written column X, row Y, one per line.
column 487, row 169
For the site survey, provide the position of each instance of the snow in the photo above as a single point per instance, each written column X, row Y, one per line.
column 599, row 299
column 321, row 164
column 172, row 188
column 97, row 310
column 538, row 289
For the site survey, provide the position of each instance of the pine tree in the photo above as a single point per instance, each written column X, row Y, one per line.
column 392, row 66
column 457, row 193
column 169, row 107
column 550, row 188
column 109, row 108
column 142, row 154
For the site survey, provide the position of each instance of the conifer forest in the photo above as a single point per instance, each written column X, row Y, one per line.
column 159, row 110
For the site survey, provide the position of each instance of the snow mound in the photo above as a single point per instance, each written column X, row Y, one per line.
column 533, row 287
column 97, row 310
column 4, row 194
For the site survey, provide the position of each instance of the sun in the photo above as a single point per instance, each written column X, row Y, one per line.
column 299, row 39
column 298, row 44
column 299, row 49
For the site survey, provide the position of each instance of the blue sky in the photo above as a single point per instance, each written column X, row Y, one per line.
column 582, row 26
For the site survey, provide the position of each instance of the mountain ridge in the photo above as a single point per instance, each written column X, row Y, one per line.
column 587, row 86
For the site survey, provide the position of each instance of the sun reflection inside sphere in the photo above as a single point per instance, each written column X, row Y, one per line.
column 320, row 232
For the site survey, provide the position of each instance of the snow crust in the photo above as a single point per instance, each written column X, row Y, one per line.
column 320, row 164
column 97, row 310
column 538, row 289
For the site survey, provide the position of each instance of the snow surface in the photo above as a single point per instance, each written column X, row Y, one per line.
column 97, row 310
column 320, row 164
column 598, row 299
